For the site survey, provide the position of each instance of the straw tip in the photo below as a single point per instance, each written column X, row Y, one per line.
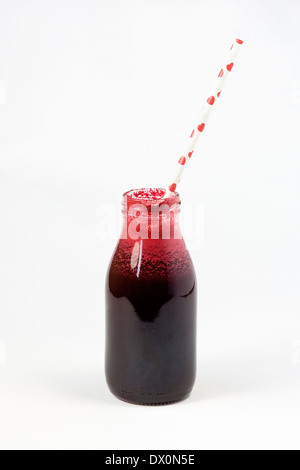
column 239, row 41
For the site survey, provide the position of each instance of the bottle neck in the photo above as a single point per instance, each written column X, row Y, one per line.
column 150, row 218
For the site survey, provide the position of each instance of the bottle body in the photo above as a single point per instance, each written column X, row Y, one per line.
column 151, row 321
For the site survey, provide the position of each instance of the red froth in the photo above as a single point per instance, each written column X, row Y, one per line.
column 150, row 197
column 153, row 194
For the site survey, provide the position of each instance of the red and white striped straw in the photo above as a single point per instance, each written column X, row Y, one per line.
column 207, row 109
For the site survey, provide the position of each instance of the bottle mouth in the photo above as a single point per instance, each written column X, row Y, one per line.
column 150, row 197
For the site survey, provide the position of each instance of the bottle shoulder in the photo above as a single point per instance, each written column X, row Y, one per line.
column 165, row 265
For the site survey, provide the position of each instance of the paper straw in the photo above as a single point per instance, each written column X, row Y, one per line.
column 206, row 111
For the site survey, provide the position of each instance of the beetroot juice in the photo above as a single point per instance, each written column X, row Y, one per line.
column 151, row 304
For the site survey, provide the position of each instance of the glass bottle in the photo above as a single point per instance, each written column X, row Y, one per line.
column 151, row 304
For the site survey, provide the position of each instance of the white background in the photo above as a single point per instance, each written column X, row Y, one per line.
column 98, row 97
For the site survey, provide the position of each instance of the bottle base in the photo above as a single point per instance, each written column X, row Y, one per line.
column 148, row 399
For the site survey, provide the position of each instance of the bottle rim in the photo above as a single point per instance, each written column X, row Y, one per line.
column 150, row 197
